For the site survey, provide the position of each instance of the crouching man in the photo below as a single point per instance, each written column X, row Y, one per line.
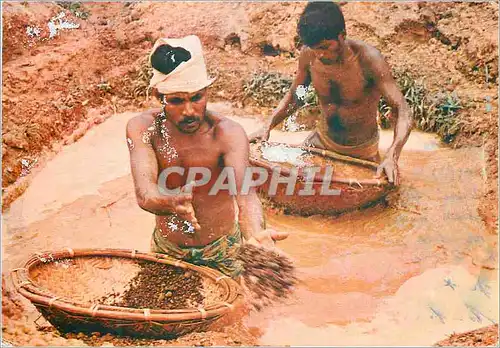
column 195, row 221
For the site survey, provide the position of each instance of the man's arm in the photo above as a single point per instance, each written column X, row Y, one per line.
column 236, row 153
column 144, row 167
column 289, row 104
column 251, row 216
column 400, row 110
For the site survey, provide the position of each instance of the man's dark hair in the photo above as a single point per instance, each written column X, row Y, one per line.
column 320, row 21
column 166, row 58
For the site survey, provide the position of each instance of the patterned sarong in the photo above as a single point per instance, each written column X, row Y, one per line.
column 220, row 254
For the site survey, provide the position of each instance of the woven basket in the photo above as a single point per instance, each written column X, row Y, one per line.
column 68, row 301
column 357, row 190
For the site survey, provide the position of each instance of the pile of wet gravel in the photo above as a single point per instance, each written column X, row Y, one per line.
column 268, row 275
column 485, row 337
column 160, row 286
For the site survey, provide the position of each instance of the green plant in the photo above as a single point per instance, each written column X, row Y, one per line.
column 76, row 8
column 104, row 86
column 311, row 97
column 384, row 114
column 142, row 76
column 445, row 121
column 431, row 112
column 266, row 88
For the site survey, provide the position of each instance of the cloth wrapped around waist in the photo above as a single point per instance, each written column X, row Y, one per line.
column 220, row 254
column 367, row 150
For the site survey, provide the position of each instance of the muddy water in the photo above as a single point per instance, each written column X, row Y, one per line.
column 410, row 273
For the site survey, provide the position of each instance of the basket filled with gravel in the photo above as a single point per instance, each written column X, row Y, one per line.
column 125, row 292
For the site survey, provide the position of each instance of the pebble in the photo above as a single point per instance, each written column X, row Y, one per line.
column 38, row 342
column 135, row 15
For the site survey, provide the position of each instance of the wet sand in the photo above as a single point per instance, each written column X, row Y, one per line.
column 408, row 274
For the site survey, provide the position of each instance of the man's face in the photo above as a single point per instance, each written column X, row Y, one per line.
column 186, row 110
column 328, row 51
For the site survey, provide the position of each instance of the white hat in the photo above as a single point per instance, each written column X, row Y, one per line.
column 190, row 76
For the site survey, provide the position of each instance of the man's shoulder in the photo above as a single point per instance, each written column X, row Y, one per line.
column 227, row 130
column 367, row 52
column 226, row 126
column 142, row 121
column 372, row 61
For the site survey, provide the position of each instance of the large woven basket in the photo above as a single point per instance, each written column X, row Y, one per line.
column 64, row 296
column 357, row 185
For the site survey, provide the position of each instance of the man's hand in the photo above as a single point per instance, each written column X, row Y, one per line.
column 267, row 238
column 260, row 135
column 390, row 167
column 183, row 205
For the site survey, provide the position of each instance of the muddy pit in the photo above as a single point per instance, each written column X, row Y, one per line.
column 409, row 273
column 426, row 260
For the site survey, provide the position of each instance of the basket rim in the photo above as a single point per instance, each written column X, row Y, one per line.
column 284, row 171
column 40, row 296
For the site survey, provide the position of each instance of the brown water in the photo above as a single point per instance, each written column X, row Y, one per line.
column 372, row 277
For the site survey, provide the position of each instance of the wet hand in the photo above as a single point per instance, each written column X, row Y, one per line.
column 267, row 238
column 183, row 205
column 390, row 167
column 260, row 135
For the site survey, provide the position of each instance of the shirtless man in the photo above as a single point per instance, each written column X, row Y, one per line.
column 349, row 77
column 192, row 225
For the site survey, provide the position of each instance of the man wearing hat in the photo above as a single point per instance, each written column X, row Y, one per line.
column 192, row 222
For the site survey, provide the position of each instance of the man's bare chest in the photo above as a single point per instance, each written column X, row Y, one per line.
column 341, row 86
column 200, row 152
